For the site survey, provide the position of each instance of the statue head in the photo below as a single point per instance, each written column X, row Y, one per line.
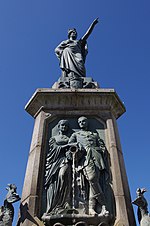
column 72, row 33
column 63, row 125
column 12, row 195
column 83, row 122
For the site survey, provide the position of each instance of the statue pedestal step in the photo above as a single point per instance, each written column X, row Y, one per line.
column 77, row 83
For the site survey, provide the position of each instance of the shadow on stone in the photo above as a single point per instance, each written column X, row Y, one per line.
column 24, row 214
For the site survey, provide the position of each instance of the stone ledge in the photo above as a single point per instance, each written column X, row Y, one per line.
column 72, row 219
column 72, row 99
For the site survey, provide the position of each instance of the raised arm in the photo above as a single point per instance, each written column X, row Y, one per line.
column 90, row 29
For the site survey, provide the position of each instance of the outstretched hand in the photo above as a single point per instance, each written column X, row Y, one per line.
column 90, row 29
column 95, row 21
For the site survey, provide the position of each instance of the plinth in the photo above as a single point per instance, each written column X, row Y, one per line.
column 102, row 107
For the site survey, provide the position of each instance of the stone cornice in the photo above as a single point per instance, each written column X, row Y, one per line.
column 75, row 99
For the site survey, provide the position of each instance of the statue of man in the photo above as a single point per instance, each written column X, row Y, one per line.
column 72, row 53
column 90, row 163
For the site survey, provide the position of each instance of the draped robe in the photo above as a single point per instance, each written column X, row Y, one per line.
column 72, row 55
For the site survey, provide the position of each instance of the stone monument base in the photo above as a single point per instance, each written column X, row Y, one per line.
column 102, row 107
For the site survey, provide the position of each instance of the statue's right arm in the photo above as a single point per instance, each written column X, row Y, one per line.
column 90, row 29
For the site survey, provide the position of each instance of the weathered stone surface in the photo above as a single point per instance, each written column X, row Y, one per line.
column 124, row 211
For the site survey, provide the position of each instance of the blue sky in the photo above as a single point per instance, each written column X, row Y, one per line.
column 119, row 58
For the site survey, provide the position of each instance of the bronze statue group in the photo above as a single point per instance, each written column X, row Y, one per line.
column 84, row 147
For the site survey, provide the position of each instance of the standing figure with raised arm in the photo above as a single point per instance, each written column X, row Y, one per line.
column 72, row 53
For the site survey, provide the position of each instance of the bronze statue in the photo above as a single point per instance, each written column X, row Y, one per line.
column 140, row 201
column 72, row 53
column 74, row 169
column 58, row 171
column 7, row 210
column 90, row 164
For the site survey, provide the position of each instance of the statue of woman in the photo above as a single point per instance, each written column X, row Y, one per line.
column 72, row 53
column 58, row 170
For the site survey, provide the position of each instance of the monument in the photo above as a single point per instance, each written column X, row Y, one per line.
column 75, row 173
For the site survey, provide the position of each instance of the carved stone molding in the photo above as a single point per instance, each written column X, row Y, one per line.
column 75, row 99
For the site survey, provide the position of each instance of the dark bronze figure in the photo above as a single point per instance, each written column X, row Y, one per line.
column 72, row 53
column 89, row 163
column 140, row 201
column 58, row 171
column 7, row 210
column 76, row 174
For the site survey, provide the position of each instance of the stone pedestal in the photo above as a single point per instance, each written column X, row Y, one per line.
column 48, row 106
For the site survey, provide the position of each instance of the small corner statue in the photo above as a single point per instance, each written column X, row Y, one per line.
column 140, row 201
column 72, row 55
column 7, row 210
